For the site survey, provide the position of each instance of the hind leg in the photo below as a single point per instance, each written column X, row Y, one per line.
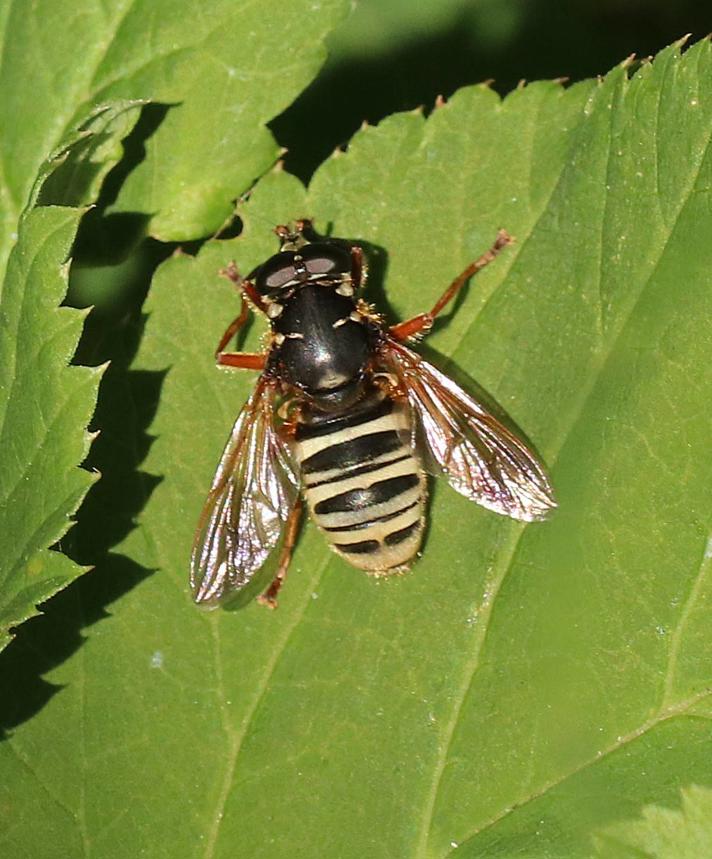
column 269, row 597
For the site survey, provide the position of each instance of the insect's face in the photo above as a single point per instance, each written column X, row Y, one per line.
column 300, row 263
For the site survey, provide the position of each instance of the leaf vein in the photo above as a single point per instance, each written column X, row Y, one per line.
column 676, row 640
column 675, row 711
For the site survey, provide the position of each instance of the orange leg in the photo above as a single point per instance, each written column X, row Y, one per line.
column 269, row 597
column 241, row 360
column 358, row 267
column 245, row 286
column 423, row 321
column 233, row 327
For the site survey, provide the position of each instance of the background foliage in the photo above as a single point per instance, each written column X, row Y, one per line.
column 539, row 692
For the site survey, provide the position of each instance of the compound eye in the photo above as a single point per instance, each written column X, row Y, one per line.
column 319, row 265
column 280, row 277
column 323, row 259
column 276, row 272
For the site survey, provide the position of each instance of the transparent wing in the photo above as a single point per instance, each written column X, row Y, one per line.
column 481, row 459
column 253, row 492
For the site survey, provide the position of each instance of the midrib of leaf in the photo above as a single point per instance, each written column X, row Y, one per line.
column 494, row 584
column 491, row 587
column 663, row 715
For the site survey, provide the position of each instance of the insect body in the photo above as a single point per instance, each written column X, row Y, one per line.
column 364, row 486
column 346, row 416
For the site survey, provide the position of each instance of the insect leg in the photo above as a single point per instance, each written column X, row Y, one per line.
column 358, row 267
column 233, row 327
column 244, row 284
column 242, row 360
column 423, row 321
column 269, row 597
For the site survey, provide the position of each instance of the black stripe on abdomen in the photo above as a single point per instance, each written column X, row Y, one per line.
column 359, row 499
column 346, row 454
column 365, row 547
column 359, row 526
column 396, row 537
column 352, row 419
column 357, row 472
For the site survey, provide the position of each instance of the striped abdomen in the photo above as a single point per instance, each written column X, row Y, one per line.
column 364, row 487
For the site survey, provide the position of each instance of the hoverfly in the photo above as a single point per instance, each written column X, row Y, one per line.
column 347, row 417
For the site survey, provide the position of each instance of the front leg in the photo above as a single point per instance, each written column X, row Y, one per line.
column 233, row 328
column 423, row 322
column 240, row 360
column 244, row 285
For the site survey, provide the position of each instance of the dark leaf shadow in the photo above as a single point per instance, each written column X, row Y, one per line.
column 484, row 40
column 45, row 642
column 112, row 265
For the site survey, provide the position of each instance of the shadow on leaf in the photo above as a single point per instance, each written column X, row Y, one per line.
column 112, row 266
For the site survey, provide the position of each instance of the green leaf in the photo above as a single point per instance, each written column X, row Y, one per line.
column 225, row 67
column 72, row 175
column 228, row 69
column 663, row 833
column 525, row 686
column 45, row 405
